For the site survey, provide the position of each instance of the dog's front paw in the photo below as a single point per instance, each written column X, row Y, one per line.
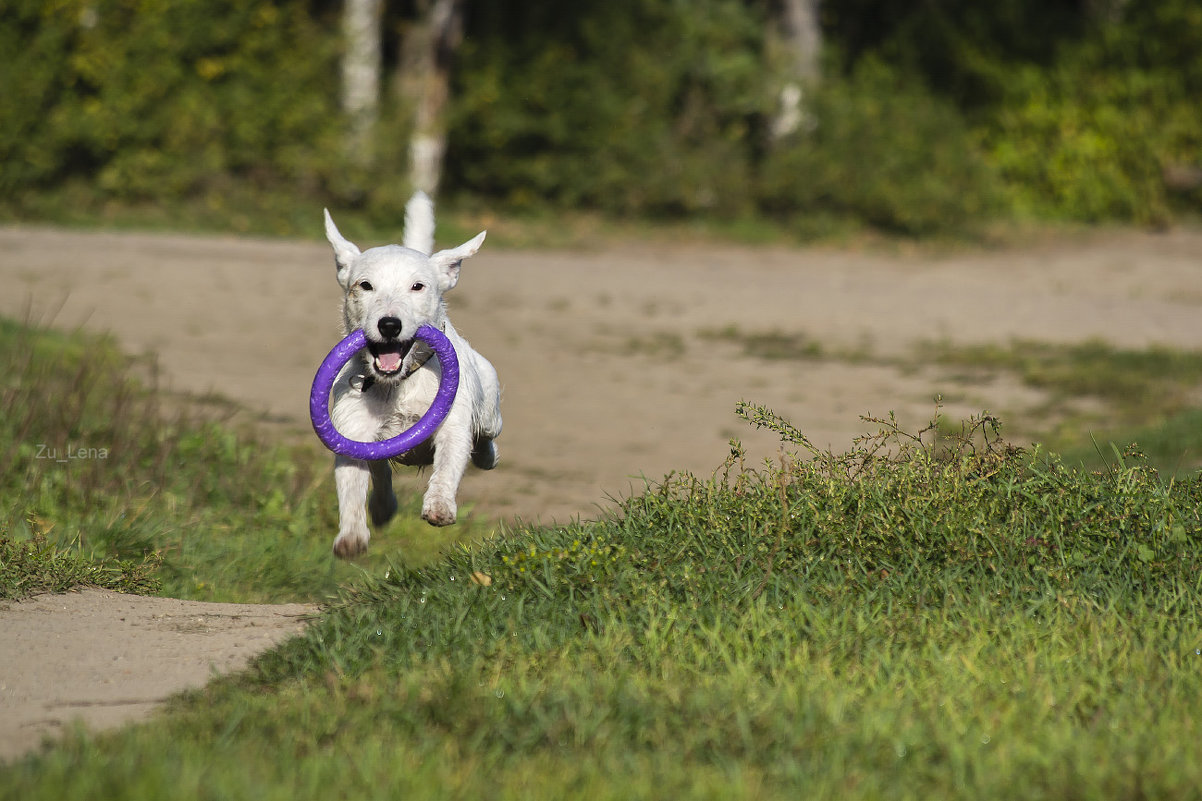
column 438, row 512
column 348, row 546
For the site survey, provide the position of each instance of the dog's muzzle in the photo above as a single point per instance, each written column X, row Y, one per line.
column 389, row 355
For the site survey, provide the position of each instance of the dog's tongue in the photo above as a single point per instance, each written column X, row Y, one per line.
column 388, row 361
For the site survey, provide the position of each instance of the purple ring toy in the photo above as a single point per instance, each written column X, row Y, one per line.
column 323, row 383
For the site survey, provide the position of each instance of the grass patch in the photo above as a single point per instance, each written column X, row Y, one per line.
column 1136, row 383
column 98, row 467
column 1148, row 396
column 770, row 345
column 664, row 345
column 36, row 566
column 918, row 618
column 1145, row 396
column 1173, row 446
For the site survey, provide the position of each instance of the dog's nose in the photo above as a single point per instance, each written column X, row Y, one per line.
column 389, row 327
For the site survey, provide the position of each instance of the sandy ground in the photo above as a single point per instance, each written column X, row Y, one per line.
column 105, row 658
column 616, row 364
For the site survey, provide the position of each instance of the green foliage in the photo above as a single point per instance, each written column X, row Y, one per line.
column 882, row 150
column 963, row 49
column 158, row 100
column 35, row 566
column 1092, row 137
column 643, row 108
column 1090, row 145
column 928, row 118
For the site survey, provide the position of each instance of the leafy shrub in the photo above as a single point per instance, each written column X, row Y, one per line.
column 883, row 150
column 154, row 100
column 1092, row 137
column 1083, row 149
column 631, row 107
column 647, row 108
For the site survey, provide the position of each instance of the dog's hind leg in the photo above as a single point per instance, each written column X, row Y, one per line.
column 382, row 502
column 487, row 418
column 484, row 453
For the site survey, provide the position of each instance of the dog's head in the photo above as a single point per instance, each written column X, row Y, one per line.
column 390, row 292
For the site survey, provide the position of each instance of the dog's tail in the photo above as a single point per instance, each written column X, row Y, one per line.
column 419, row 223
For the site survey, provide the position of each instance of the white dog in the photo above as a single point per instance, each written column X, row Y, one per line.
column 389, row 292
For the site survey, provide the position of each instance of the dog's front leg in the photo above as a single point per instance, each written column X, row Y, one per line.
column 452, row 450
column 351, row 480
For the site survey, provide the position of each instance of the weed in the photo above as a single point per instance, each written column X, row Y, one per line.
column 35, row 566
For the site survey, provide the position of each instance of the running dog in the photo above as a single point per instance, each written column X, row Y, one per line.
column 389, row 292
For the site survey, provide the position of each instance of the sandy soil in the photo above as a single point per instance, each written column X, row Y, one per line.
column 614, row 362
column 104, row 658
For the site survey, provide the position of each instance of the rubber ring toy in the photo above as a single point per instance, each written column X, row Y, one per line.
column 327, row 373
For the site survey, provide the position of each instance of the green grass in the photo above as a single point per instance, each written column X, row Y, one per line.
column 770, row 345
column 109, row 470
column 37, row 566
column 1133, row 381
column 242, row 210
column 922, row 617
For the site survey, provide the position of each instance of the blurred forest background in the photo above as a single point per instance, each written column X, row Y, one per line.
column 912, row 118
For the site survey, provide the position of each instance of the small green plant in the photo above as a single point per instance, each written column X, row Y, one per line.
column 35, row 566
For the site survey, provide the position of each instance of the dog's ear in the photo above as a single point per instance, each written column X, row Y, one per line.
column 447, row 262
column 344, row 251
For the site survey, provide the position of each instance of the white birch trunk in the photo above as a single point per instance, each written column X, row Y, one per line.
column 425, row 86
column 361, row 73
column 802, row 36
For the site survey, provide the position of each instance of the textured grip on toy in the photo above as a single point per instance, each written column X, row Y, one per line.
column 327, row 373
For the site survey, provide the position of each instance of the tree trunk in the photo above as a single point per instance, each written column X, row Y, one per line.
column 1106, row 11
column 424, row 81
column 802, row 37
column 361, row 73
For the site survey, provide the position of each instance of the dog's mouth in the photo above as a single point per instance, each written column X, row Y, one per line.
column 387, row 357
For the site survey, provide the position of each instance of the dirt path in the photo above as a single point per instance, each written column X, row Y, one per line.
column 616, row 364
column 104, row 658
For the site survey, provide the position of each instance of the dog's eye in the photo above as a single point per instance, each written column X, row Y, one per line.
column 365, row 286
column 418, row 286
